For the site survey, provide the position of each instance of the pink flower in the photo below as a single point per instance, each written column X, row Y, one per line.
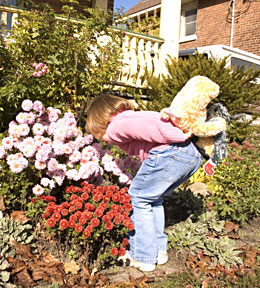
column 38, row 106
column 23, row 129
column 53, row 164
column 75, row 156
column 2, row 152
column 21, row 118
column 53, row 116
column 29, row 151
column 38, row 129
column 39, row 66
column 27, row 105
column 7, row 143
column 35, row 74
column 89, row 139
column 39, row 165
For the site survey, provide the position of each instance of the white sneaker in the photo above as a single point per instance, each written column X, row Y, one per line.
column 162, row 257
column 147, row 267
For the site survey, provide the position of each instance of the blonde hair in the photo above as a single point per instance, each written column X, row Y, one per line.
column 101, row 111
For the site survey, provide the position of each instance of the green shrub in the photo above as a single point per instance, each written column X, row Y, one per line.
column 236, row 185
column 198, row 237
column 78, row 61
column 238, row 87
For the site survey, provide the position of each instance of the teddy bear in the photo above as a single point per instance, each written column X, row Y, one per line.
column 188, row 111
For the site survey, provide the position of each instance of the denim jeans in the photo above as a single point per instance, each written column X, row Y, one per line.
column 158, row 176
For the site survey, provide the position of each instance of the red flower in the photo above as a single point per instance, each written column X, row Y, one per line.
column 99, row 212
column 128, row 207
column 56, row 216
column 97, row 197
column 103, row 205
column 33, row 200
column 72, row 209
column 109, row 225
column 115, row 197
column 71, row 223
column 114, row 251
column 90, row 207
column 82, row 220
column 78, row 214
column 73, row 217
column 63, row 224
column 65, row 205
column 114, row 207
column 58, row 209
column 51, row 222
column 118, row 219
column 122, row 251
column 130, row 226
column 94, row 222
column 45, row 215
column 50, row 198
column 125, row 242
column 64, row 212
column 52, row 204
column 78, row 228
column 85, row 195
column 67, row 189
column 106, row 218
column 87, row 215
column 106, row 198
column 48, row 210
column 86, row 233
column 78, row 205
column 90, row 228
column 74, row 197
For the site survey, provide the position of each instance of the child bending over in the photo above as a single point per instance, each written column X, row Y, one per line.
column 168, row 160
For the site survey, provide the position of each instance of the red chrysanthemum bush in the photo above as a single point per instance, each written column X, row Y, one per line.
column 98, row 215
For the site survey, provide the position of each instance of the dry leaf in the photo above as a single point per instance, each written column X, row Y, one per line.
column 71, row 267
column 22, row 249
column 230, row 226
column 24, row 279
column 2, row 204
column 19, row 216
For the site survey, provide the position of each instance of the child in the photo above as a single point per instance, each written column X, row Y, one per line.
column 168, row 160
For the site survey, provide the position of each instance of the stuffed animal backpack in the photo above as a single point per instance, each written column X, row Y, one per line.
column 188, row 111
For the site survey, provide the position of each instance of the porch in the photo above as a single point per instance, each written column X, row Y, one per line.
column 140, row 52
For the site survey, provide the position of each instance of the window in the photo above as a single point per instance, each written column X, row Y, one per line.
column 190, row 22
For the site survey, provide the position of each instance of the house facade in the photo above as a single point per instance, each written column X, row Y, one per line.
column 203, row 23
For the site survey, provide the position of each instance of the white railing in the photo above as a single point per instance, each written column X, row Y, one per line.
column 140, row 52
column 8, row 17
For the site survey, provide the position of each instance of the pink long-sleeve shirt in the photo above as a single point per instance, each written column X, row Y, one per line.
column 137, row 132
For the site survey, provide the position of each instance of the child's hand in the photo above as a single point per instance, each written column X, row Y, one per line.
column 188, row 134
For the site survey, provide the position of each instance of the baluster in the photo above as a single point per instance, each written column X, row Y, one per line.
column 133, row 62
column 3, row 21
column 141, row 62
column 14, row 19
column 156, row 64
column 126, row 61
column 148, row 58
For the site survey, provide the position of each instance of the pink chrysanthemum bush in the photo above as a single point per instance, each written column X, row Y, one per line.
column 49, row 152
column 96, row 216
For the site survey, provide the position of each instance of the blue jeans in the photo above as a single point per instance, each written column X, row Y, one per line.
column 158, row 176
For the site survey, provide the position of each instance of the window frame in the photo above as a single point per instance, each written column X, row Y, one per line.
column 185, row 9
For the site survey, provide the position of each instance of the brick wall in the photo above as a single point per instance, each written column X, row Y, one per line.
column 214, row 25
